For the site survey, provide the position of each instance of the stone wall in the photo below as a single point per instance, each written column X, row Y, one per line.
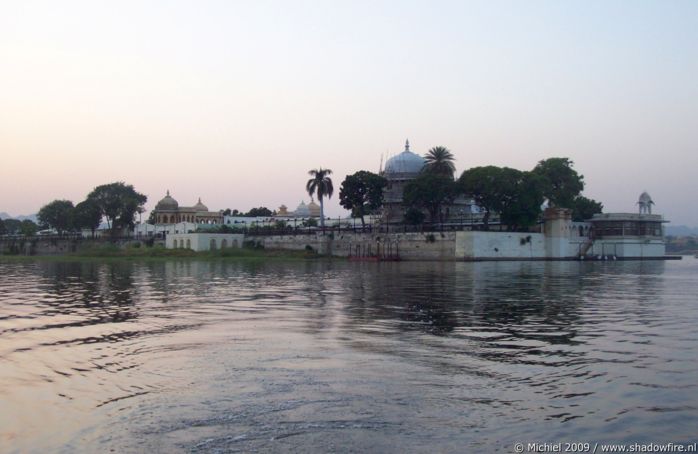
column 408, row 246
column 39, row 245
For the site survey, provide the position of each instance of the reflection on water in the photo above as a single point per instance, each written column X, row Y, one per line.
column 337, row 356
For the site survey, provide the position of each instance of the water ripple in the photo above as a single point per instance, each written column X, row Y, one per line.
column 336, row 356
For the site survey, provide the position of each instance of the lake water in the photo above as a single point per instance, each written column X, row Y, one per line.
column 349, row 357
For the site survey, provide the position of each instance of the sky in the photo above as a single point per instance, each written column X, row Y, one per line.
column 234, row 102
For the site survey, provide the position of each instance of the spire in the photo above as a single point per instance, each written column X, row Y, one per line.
column 168, row 193
column 407, row 145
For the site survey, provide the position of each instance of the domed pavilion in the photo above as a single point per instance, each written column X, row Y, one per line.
column 168, row 211
column 399, row 170
column 402, row 168
column 645, row 203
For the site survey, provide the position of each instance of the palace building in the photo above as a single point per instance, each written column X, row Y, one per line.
column 168, row 211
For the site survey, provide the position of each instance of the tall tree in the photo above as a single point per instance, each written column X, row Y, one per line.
column 28, row 227
column 517, row 196
column 521, row 197
column 361, row 192
column 118, row 202
column 3, row 229
column 57, row 215
column 88, row 216
column 439, row 161
column 481, row 183
column 321, row 185
column 561, row 182
column 584, row 208
column 429, row 191
column 13, row 226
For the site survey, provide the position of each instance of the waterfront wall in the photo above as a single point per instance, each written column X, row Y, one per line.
column 38, row 245
column 408, row 246
column 499, row 246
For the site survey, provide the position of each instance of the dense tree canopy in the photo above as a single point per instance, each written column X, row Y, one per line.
column 414, row 216
column 521, row 196
column 3, row 230
column 28, row 227
column 517, row 196
column 118, row 202
column 259, row 212
column 321, row 185
column 439, row 161
column 362, row 192
column 430, row 192
column 561, row 183
column 482, row 184
column 584, row 208
column 57, row 215
column 87, row 216
column 13, row 226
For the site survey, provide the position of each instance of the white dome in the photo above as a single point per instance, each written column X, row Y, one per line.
column 302, row 210
column 645, row 197
column 405, row 162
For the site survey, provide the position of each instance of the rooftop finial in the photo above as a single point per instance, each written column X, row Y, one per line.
column 168, row 193
column 407, row 145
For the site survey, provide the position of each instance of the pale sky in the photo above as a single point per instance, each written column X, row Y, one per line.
column 234, row 102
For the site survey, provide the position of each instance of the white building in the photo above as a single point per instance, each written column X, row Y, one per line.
column 204, row 241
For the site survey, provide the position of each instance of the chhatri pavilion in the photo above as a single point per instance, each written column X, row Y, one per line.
column 168, row 211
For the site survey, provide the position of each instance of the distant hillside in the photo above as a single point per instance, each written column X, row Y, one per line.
column 681, row 230
column 31, row 217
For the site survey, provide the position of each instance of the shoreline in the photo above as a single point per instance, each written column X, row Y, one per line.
column 158, row 254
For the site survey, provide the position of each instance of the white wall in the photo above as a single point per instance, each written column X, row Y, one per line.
column 499, row 245
column 203, row 241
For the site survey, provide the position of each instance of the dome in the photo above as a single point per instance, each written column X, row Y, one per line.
column 200, row 206
column 405, row 162
column 314, row 209
column 645, row 198
column 167, row 203
column 302, row 210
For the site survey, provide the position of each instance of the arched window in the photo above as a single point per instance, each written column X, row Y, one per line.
column 188, row 243
column 213, row 244
column 224, row 243
column 235, row 243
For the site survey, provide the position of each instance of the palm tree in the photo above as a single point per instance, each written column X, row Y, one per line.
column 320, row 184
column 439, row 161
